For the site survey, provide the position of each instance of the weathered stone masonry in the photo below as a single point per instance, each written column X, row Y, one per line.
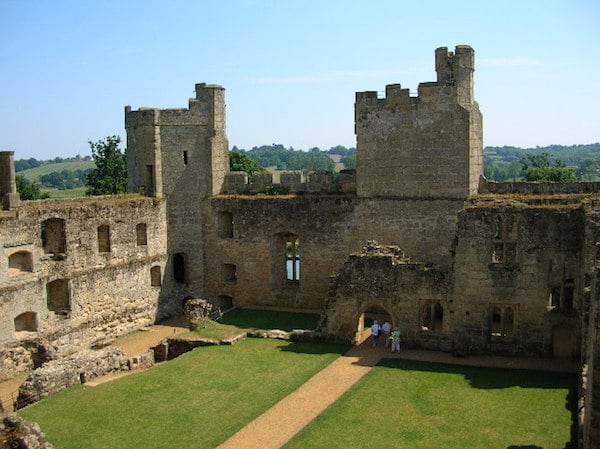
column 78, row 274
column 415, row 235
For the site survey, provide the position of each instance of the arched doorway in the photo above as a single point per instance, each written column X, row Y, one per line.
column 367, row 317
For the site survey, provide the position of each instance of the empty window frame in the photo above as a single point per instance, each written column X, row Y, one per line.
column 225, row 302
column 292, row 258
column 562, row 297
column 19, row 263
column 229, row 273
column 104, row 239
column 53, row 236
column 502, row 320
column 431, row 315
column 225, row 225
column 504, row 251
column 58, row 296
column 155, row 276
column 179, row 267
column 26, row 322
column 141, row 234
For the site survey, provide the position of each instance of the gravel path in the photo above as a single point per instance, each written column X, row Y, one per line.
column 279, row 424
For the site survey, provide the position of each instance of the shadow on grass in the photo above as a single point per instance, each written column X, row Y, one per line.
column 268, row 319
column 315, row 348
column 492, row 378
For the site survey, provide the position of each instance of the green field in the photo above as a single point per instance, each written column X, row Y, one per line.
column 410, row 404
column 203, row 397
column 34, row 174
column 195, row 401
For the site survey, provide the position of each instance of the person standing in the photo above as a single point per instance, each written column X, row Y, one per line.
column 375, row 331
column 386, row 330
column 396, row 340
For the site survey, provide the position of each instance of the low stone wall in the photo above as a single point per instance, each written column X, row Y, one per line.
column 13, row 361
column 15, row 432
column 57, row 375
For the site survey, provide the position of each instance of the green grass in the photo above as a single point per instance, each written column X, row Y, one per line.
column 195, row 401
column 267, row 319
column 34, row 174
column 66, row 194
column 408, row 404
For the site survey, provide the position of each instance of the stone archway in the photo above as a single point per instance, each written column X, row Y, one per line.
column 366, row 318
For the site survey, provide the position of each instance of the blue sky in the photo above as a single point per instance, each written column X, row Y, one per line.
column 290, row 68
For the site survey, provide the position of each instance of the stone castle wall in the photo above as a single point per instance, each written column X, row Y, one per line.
column 67, row 283
column 428, row 146
column 328, row 229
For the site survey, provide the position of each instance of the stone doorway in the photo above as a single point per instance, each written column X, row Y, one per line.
column 366, row 319
column 564, row 341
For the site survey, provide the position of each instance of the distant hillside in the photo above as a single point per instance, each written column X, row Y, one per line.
column 34, row 174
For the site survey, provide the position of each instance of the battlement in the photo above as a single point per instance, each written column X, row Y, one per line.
column 423, row 146
column 290, row 182
column 200, row 111
column 454, row 83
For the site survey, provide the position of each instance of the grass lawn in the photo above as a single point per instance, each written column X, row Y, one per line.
column 195, row 401
column 408, row 404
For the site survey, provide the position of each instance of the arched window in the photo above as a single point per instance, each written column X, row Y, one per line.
column 26, row 322
column 179, row 268
column 20, row 262
column 292, row 258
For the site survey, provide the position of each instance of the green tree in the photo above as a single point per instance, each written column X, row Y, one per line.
column 110, row 175
column 242, row 162
column 29, row 190
column 540, row 168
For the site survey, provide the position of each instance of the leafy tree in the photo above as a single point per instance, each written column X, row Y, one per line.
column 110, row 175
column 540, row 168
column 243, row 162
column 349, row 161
column 29, row 190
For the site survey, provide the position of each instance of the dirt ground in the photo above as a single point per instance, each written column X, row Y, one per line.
column 133, row 344
column 270, row 431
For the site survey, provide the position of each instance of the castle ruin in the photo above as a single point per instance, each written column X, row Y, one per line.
column 415, row 234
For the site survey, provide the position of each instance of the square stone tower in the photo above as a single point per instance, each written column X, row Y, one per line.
column 428, row 146
column 180, row 155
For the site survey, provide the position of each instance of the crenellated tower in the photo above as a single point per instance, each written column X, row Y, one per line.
column 424, row 146
column 180, row 155
column 179, row 151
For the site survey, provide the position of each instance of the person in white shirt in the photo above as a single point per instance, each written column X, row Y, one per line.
column 387, row 330
column 375, row 331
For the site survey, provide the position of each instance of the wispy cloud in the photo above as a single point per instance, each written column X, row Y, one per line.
column 328, row 76
column 512, row 62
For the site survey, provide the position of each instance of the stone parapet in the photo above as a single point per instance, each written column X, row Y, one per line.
column 290, row 182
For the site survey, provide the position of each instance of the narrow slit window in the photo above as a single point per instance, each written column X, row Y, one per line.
column 292, row 259
column 141, row 234
column 155, row 276
column 104, row 239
